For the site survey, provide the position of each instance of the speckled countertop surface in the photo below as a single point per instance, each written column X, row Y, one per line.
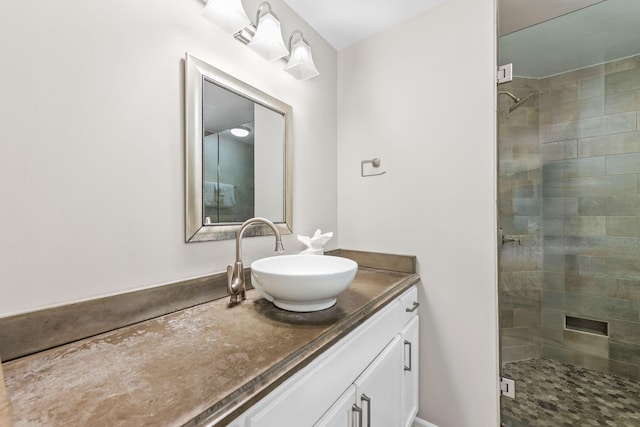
column 209, row 362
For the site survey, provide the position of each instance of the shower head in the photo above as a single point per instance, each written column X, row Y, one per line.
column 518, row 101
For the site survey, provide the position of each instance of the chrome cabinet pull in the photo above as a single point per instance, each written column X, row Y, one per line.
column 364, row 398
column 416, row 304
column 355, row 409
column 408, row 368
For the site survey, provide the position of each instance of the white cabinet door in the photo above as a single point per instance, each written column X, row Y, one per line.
column 305, row 397
column 343, row 413
column 410, row 337
column 378, row 388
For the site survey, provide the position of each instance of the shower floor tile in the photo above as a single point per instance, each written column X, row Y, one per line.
column 553, row 394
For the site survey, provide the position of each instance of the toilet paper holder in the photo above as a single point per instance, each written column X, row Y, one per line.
column 375, row 162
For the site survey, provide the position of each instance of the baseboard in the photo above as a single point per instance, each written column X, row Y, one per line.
column 422, row 423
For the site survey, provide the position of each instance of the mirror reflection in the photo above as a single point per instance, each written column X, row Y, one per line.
column 237, row 148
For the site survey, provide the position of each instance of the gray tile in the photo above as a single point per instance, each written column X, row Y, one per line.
column 571, row 78
column 622, row 81
column 517, row 336
column 560, row 206
column 609, row 144
column 560, row 263
column 511, row 354
column 622, row 101
column 572, row 111
column 622, row 369
column 553, row 225
column 552, row 318
column 591, row 87
column 600, row 307
column 552, row 299
column 514, row 257
column 614, row 185
column 618, row 268
column 623, row 226
column 559, row 95
column 621, row 65
column 560, row 131
column 591, row 245
column 553, row 394
column 597, row 126
column 585, row 343
column 621, row 330
column 622, row 164
column 616, row 123
column 609, row 206
column 587, row 285
column 506, row 318
column 625, row 352
column 559, row 150
column 518, row 135
column 553, row 281
column 514, row 281
column 588, row 166
column 553, row 337
column 575, row 358
column 585, row 226
column 527, row 207
column 527, row 317
column 624, row 289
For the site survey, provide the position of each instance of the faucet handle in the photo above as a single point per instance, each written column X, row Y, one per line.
column 234, row 296
column 235, row 282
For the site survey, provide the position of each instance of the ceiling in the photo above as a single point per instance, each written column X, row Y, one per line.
column 345, row 22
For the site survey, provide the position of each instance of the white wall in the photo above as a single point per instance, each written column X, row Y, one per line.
column 421, row 97
column 92, row 136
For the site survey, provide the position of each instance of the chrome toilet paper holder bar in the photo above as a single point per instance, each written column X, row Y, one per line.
column 375, row 163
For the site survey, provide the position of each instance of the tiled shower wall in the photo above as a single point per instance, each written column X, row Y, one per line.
column 590, row 146
column 569, row 182
column 519, row 210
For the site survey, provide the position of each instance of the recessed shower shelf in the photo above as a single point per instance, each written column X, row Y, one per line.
column 586, row 325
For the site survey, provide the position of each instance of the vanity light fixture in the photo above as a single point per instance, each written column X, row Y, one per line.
column 265, row 39
column 227, row 14
column 240, row 131
column 300, row 63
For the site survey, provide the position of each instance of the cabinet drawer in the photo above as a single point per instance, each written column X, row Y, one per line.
column 408, row 307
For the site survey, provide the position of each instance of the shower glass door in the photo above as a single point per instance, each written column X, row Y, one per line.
column 569, row 214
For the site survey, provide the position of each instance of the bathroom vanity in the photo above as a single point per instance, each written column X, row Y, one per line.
column 245, row 365
column 370, row 377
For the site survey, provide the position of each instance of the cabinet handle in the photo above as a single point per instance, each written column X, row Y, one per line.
column 416, row 304
column 364, row 398
column 355, row 409
column 408, row 368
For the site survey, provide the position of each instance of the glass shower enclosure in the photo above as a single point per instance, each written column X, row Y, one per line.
column 569, row 216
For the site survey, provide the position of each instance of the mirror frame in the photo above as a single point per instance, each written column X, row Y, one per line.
column 196, row 71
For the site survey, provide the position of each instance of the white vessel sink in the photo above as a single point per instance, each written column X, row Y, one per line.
column 302, row 282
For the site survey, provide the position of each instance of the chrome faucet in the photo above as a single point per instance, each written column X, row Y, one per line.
column 235, row 273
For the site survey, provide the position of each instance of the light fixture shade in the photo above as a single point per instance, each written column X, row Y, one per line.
column 240, row 131
column 229, row 15
column 268, row 39
column 300, row 63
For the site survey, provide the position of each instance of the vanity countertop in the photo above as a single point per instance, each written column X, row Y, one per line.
column 209, row 362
